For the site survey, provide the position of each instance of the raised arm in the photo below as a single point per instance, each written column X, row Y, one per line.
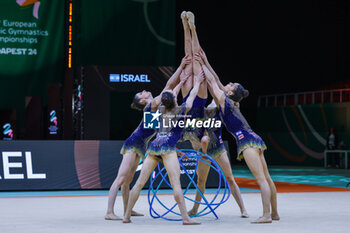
column 157, row 100
column 215, row 91
column 173, row 82
column 206, row 62
column 197, row 81
column 174, row 79
column 177, row 89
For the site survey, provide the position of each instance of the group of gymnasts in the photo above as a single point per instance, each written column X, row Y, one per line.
column 194, row 77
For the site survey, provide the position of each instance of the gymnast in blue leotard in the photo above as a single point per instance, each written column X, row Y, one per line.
column 249, row 145
column 195, row 135
column 163, row 147
column 216, row 145
column 217, row 151
column 237, row 125
column 138, row 140
column 134, row 147
column 199, row 136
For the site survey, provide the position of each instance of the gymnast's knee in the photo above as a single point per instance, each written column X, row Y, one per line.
column 261, row 180
column 121, row 180
column 205, row 140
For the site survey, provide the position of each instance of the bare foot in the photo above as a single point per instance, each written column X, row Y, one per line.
column 244, row 214
column 190, row 222
column 192, row 212
column 263, row 219
column 134, row 213
column 183, row 15
column 184, row 20
column 275, row 217
column 112, row 217
column 126, row 220
column 190, row 18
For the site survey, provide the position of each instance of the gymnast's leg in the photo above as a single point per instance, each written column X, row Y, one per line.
column 124, row 172
column 225, row 165
column 188, row 70
column 197, row 69
column 202, row 175
column 253, row 161
column 172, row 166
column 126, row 187
column 274, row 212
column 148, row 165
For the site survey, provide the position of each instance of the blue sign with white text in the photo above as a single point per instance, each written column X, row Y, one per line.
column 129, row 78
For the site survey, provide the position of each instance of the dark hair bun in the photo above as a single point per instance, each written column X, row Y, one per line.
column 136, row 104
column 239, row 94
column 168, row 100
column 245, row 93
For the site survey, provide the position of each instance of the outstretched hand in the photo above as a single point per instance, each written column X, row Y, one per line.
column 208, row 75
column 184, row 76
column 199, row 58
column 186, row 60
column 199, row 78
column 203, row 55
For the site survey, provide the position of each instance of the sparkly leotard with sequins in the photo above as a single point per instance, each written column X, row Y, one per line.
column 139, row 139
column 196, row 112
column 237, row 125
column 168, row 135
column 216, row 145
